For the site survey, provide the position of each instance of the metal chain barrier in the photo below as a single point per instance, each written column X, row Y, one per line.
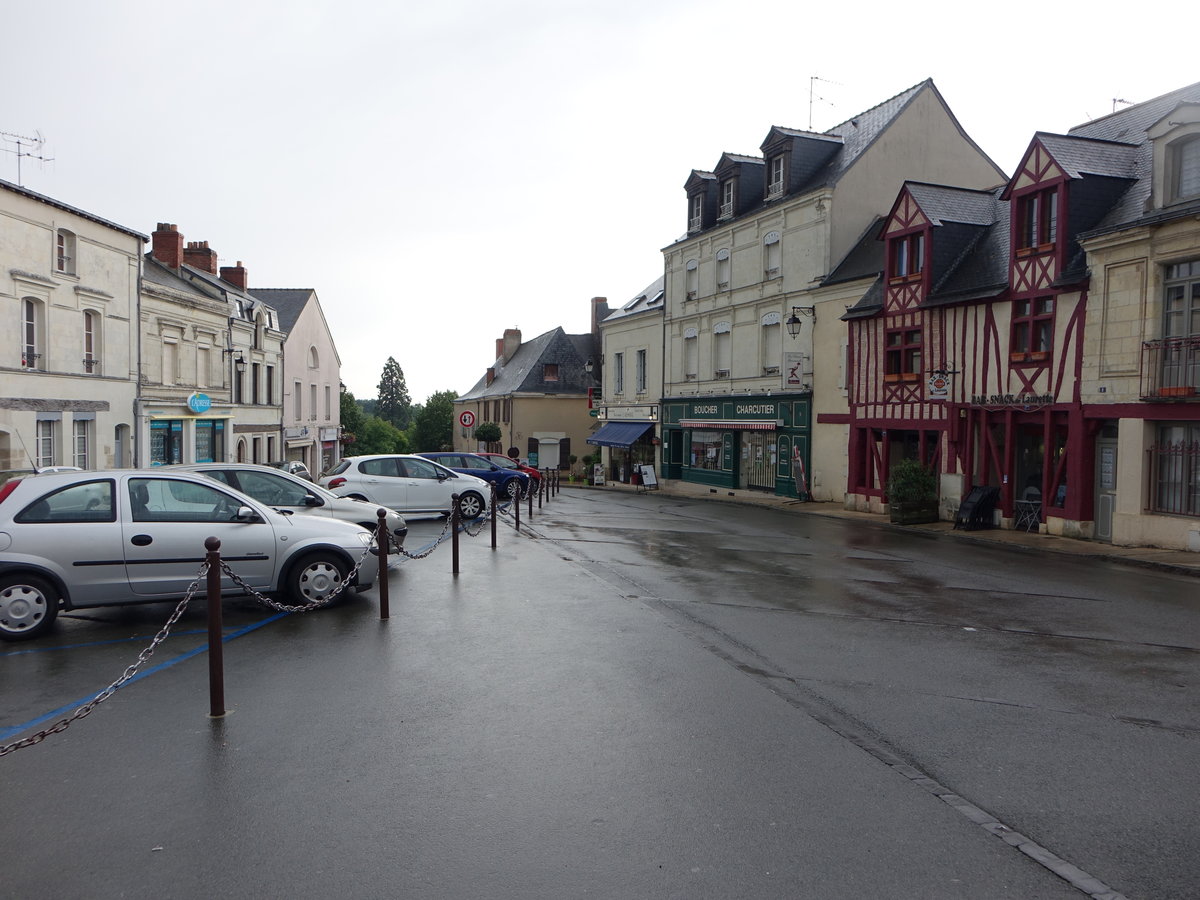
column 145, row 655
column 394, row 545
column 306, row 607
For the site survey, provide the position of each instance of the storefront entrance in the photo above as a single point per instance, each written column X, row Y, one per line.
column 757, row 461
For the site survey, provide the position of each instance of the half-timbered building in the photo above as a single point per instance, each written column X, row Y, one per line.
column 969, row 351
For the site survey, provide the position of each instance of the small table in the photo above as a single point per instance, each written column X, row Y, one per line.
column 1029, row 514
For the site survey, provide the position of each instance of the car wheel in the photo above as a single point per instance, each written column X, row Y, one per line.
column 28, row 607
column 470, row 506
column 512, row 488
column 315, row 577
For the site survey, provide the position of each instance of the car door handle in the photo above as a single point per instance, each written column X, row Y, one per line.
column 141, row 540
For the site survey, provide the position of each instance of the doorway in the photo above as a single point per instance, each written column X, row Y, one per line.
column 1106, row 486
column 758, row 461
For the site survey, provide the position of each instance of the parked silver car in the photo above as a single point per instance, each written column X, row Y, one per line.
column 410, row 484
column 104, row 538
column 281, row 490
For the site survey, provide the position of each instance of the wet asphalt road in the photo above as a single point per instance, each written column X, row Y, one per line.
column 646, row 697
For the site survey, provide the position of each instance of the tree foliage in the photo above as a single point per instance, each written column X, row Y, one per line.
column 434, row 425
column 351, row 414
column 487, row 432
column 379, row 436
column 394, row 403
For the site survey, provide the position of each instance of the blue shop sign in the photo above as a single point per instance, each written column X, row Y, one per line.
column 199, row 403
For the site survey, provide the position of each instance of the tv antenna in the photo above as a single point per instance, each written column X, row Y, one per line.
column 812, row 95
column 23, row 141
column 1117, row 100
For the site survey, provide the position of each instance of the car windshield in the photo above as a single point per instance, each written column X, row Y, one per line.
column 504, row 462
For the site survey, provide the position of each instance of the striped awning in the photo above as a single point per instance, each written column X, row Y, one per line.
column 731, row 424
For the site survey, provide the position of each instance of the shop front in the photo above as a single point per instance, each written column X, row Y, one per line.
column 746, row 443
column 627, row 443
column 192, row 432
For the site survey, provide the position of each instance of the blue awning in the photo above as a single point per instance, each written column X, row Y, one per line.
column 619, row 434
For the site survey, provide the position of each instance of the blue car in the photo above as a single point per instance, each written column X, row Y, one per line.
column 510, row 483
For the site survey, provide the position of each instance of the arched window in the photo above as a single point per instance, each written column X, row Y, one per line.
column 771, row 255
column 314, row 359
column 722, row 350
column 260, row 329
column 691, row 355
column 691, row 280
column 723, row 270
column 1185, row 168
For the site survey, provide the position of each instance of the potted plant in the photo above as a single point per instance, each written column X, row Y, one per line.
column 912, row 493
column 572, row 459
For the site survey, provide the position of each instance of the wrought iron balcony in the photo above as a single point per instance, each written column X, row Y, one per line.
column 1171, row 369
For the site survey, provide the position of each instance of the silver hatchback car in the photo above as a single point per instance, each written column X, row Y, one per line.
column 105, row 538
column 284, row 491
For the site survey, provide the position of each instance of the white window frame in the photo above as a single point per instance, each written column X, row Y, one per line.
column 639, row 364
column 772, row 256
column 723, row 267
column 65, row 244
column 170, row 361
column 696, row 213
column 728, row 191
column 44, row 443
column 691, row 279
column 81, row 442
column 618, row 373
column 1185, row 168
column 722, row 350
column 32, row 311
column 775, row 175
column 691, row 355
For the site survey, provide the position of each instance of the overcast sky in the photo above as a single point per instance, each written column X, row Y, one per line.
column 441, row 171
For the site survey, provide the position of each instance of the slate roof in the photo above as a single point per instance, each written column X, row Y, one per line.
column 866, row 256
column 1129, row 126
column 523, row 373
column 288, row 302
column 650, row 299
column 942, row 203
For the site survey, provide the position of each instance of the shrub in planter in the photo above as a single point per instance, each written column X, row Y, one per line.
column 912, row 493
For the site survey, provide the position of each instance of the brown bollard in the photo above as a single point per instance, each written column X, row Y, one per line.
column 531, row 506
column 539, row 493
column 216, row 649
column 382, row 539
column 454, row 520
column 517, row 514
column 493, row 511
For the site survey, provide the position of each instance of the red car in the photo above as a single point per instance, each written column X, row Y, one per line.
column 507, row 462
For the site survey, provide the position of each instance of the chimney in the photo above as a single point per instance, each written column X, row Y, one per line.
column 198, row 255
column 491, row 374
column 599, row 313
column 500, row 348
column 167, row 245
column 512, row 342
column 235, row 275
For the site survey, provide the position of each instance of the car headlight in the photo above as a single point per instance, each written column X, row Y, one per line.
column 365, row 537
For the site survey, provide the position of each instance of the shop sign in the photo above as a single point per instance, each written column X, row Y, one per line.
column 199, row 403
column 1013, row 401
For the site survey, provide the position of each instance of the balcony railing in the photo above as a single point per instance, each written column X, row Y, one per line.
column 1171, row 369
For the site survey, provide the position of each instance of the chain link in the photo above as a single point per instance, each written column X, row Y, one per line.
column 394, row 545
column 306, row 607
column 132, row 670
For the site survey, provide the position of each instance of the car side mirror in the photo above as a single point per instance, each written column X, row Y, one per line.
column 313, row 500
column 246, row 514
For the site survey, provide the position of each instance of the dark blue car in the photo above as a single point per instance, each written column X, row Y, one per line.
column 510, row 483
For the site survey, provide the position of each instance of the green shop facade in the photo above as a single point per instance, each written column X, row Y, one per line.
column 745, row 443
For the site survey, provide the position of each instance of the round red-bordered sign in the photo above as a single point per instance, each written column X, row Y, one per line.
column 466, row 418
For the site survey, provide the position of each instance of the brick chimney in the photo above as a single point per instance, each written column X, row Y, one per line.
column 512, row 342
column 198, row 255
column 599, row 313
column 167, row 245
column 491, row 374
column 235, row 275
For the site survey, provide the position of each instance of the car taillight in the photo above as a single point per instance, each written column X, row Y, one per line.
column 336, row 483
column 7, row 488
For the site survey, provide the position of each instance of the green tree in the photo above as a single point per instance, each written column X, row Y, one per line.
column 352, row 417
column 488, row 432
column 434, row 425
column 394, row 404
column 379, row 436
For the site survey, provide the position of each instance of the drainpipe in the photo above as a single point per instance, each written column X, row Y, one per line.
column 135, row 433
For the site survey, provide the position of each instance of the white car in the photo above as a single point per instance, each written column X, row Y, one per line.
column 285, row 491
column 410, row 484
column 112, row 537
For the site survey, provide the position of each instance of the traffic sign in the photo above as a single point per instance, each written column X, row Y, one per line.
column 466, row 418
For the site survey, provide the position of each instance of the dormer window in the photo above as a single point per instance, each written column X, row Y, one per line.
column 1038, row 220
column 727, row 188
column 696, row 212
column 1185, row 168
column 550, row 372
column 908, row 255
column 775, row 176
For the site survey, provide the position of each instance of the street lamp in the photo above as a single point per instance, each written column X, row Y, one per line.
column 793, row 322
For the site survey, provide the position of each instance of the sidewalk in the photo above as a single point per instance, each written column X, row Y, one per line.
column 1180, row 561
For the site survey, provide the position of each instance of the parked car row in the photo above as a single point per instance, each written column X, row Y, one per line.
column 409, row 483
column 101, row 538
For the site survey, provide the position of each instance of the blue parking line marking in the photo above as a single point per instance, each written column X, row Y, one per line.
column 12, row 731
column 127, row 640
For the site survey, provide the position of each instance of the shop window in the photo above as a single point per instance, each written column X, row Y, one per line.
column 1175, row 470
column 706, row 450
column 166, row 442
